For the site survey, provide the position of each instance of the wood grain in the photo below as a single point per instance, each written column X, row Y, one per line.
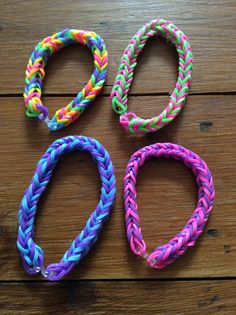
column 114, row 281
column 210, row 26
column 100, row 298
column 166, row 189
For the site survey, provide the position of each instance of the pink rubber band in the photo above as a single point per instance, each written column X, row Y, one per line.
column 168, row 253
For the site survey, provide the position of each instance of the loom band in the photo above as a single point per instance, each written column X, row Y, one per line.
column 125, row 73
column 177, row 246
column 66, row 115
column 153, row 263
column 54, row 125
column 128, row 120
column 55, row 271
column 119, row 106
column 33, row 107
column 101, row 68
column 138, row 247
column 159, row 259
column 61, row 120
column 34, row 264
column 36, row 69
column 50, row 45
column 139, row 126
column 125, row 119
column 31, row 253
column 30, row 264
column 136, row 125
column 36, row 96
column 43, row 112
column 63, row 117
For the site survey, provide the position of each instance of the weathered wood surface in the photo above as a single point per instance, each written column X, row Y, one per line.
column 166, row 189
column 210, row 25
column 119, row 282
column 100, row 298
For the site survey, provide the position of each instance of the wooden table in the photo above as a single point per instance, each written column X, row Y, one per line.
column 110, row 280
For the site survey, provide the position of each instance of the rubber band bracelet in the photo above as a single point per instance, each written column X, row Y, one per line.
column 35, row 73
column 32, row 255
column 119, row 95
column 168, row 253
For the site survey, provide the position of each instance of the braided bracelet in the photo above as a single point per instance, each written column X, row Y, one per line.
column 119, row 95
column 31, row 253
column 35, row 74
column 166, row 254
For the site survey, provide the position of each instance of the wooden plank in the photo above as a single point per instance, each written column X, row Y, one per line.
column 99, row 298
column 209, row 24
column 166, row 189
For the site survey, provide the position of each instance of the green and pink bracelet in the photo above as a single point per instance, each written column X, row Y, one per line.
column 119, row 95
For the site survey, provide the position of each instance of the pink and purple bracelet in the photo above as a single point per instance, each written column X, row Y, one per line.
column 119, row 95
column 168, row 253
column 32, row 254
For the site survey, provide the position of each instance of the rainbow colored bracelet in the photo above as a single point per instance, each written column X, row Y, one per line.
column 35, row 74
column 31, row 253
column 119, row 95
column 168, row 253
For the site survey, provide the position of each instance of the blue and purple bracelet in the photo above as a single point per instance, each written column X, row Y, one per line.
column 32, row 254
